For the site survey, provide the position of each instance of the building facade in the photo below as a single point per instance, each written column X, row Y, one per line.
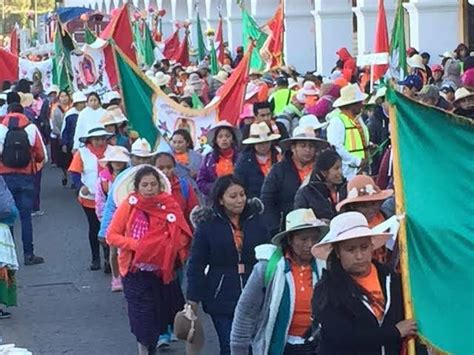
column 316, row 29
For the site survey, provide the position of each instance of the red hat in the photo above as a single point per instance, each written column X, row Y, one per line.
column 437, row 67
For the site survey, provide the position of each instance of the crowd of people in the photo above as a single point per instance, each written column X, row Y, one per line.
column 269, row 228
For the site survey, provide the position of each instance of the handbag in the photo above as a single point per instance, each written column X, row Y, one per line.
column 185, row 324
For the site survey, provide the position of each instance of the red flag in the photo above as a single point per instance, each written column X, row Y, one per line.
column 120, row 30
column 182, row 55
column 14, row 42
column 381, row 40
column 9, row 65
column 272, row 50
column 171, row 45
column 220, row 42
column 232, row 93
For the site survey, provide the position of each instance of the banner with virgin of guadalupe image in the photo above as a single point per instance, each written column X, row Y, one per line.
column 89, row 71
column 36, row 71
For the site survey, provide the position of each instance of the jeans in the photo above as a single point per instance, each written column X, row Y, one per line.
column 23, row 191
column 37, row 185
column 223, row 325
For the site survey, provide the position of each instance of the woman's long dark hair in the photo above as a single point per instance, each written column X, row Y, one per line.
column 186, row 135
column 235, row 142
column 220, row 187
column 325, row 161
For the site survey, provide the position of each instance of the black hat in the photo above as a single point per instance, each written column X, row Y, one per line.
column 13, row 97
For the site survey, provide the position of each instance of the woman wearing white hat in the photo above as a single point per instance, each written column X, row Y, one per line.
column 113, row 121
column 88, row 118
column 67, row 131
column 85, row 171
column 358, row 303
column 273, row 314
column 258, row 158
column 115, row 161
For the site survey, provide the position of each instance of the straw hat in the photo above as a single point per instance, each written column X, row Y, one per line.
column 299, row 220
column 310, row 89
column 447, row 54
column 221, row 77
column 51, row 89
column 212, row 132
column 350, row 94
column 260, row 133
column 98, row 131
column 149, row 73
column 349, row 225
column 162, row 79
column 292, row 83
column 124, row 183
column 462, row 93
column 227, row 68
column 117, row 154
column 194, row 80
column 111, row 95
column 301, row 134
column 141, row 148
column 381, row 92
column 416, row 61
column 26, row 100
column 78, row 97
column 255, row 72
column 312, row 121
column 362, row 188
column 114, row 115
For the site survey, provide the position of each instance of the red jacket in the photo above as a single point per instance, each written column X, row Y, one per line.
column 38, row 149
column 350, row 66
column 186, row 205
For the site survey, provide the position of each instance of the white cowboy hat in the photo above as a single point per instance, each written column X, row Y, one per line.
column 300, row 134
column 98, row 131
column 111, row 95
column 362, row 188
column 162, row 79
column 312, row 121
column 447, row 54
column 348, row 225
column 221, row 76
column 116, row 153
column 255, row 72
column 350, row 94
column 292, row 83
column 462, row 93
column 51, row 89
column 149, row 73
column 299, row 220
column 251, row 90
column 191, row 69
column 78, row 97
column 260, row 133
column 416, row 61
column 381, row 92
column 194, row 80
column 114, row 115
column 124, row 184
column 141, row 148
column 227, row 68
column 309, row 89
column 223, row 123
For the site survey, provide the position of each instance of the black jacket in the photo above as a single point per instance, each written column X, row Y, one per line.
column 213, row 246
column 352, row 329
column 316, row 195
column 248, row 170
column 278, row 192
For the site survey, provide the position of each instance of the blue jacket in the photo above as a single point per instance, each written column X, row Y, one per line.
column 249, row 172
column 213, row 245
column 67, row 135
column 8, row 210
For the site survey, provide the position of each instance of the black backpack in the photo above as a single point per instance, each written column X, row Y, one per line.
column 16, row 149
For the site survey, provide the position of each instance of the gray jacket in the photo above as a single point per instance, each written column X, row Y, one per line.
column 257, row 309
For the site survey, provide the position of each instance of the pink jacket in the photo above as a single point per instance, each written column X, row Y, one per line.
column 104, row 182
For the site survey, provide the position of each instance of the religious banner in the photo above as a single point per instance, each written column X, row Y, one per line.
column 36, row 71
column 89, row 70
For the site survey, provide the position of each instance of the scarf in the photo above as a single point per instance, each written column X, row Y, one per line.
column 182, row 158
column 99, row 152
column 168, row 238
column 225, row 164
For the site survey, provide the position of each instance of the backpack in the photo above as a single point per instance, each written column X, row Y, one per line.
column 16, row 149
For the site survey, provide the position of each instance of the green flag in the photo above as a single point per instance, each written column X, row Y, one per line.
column 214, row 62
column 148, row 47
column 137, row 98
column 250, row 30
column 200, row 39
column 62, row 69
column 138, row 40
column 89, row 36
column 398, row 50
column 433, row 171
column 197, row 103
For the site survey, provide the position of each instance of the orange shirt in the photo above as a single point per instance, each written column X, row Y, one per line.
column 182, row 158
column 224, row 166
column 238, row 236
column 266, row 165
column 303, row 171
column 303, row 278
column 371, row 285
column 380, row 254
column 78, row 167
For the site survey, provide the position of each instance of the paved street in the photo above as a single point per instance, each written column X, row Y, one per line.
column 63, row 307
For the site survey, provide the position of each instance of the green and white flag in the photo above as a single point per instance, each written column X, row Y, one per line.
column 398, row 50
column 148, row 47
column 251, row 31
column 200, row 39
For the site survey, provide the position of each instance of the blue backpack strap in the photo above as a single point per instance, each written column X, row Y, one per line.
column 183, row 183
column 272, row 265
